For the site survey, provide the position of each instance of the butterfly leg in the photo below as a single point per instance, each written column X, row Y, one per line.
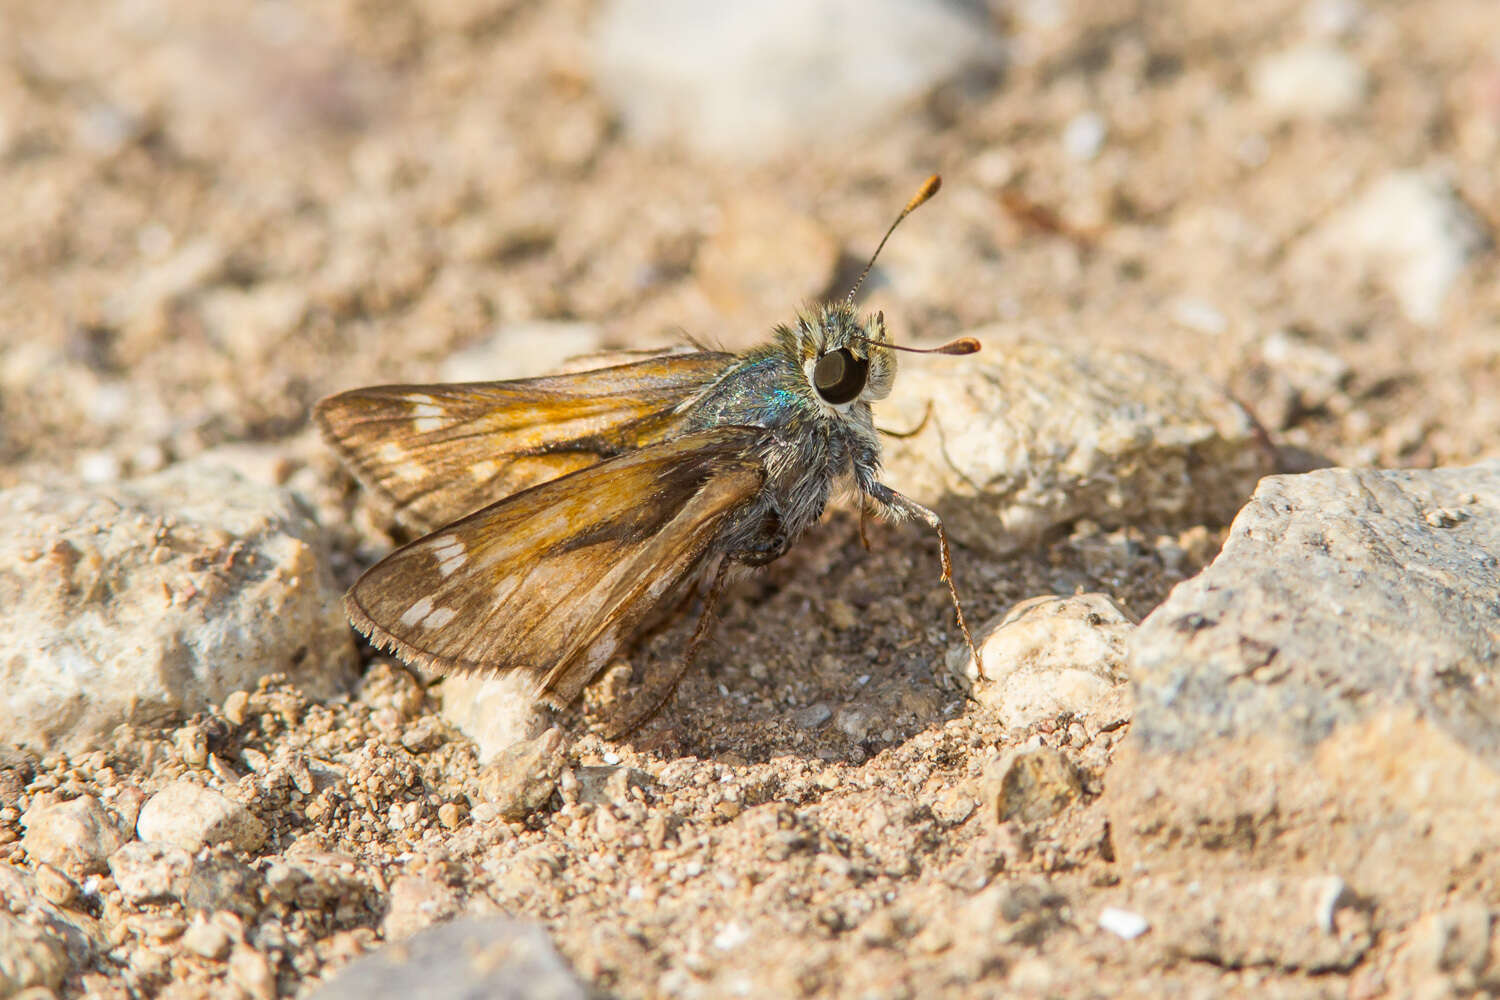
column 658, row 690
column 903, row 506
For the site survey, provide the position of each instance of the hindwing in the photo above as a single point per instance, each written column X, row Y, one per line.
column 554, row 579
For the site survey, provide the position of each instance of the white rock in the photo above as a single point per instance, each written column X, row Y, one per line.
column 1029, row 435
column 156, row 597
column 753, row 80
column 1050, row 655
column 494, row 712
column 150, row 872
column 1309, row 81
column 206, row 938
column 1125, row 924
column 192, row 817
column 1409, row 231
column 1083, row 136
column 77, row 835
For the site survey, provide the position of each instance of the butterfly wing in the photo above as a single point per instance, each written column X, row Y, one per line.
column 552, row 580
column 438, row 452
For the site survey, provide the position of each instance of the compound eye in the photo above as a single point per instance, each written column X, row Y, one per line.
column 839, row 376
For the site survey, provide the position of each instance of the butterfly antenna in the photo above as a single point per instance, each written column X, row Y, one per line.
column 927, row 190
column 963, row 345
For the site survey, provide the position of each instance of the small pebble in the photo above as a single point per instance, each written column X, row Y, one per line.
column 1124, row 924
column 55, row 886
column 1083, row 136
column 812, row 716
column 206, row 939
column 236, row 707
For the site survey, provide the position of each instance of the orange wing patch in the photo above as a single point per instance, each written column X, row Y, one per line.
column 439, row 452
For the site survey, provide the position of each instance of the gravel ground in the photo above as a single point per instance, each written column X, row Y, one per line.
column 217, row 217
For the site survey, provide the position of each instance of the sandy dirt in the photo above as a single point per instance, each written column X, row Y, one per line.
column 209, row 227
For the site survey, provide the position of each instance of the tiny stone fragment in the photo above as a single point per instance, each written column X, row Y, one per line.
column 524, row 776
column 206, row 939
column 191, row 817
column 55, row 886
column 1031, row 785
column 1125, row 924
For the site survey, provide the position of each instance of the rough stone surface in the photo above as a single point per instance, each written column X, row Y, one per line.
column 29, row 957
column 76, row 936
column 1347, row 636
column 1342, row 592
column 494, row 712
column 1310, row 924
column 189, row 816
column 146, row 599
column 1049, row 656
column 523, row 777
column 416, row 902
column 500, row 958
column 1027, row 436
column 77, row 835
column 150, row 872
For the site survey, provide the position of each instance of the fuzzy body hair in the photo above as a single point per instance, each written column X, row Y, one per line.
column 813, row 445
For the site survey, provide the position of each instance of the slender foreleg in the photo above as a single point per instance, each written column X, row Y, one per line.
column 900, row 506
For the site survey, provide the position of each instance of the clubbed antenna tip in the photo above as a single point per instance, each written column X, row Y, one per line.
column 927, row 190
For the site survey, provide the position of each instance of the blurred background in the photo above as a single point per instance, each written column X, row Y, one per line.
column 211, row 215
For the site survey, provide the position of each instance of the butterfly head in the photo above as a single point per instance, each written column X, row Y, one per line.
column 849, row 359
column 845, row 357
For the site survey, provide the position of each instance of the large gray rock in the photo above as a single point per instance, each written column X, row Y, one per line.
column 498, row 958
column 147, row 599
column 1330, row 685
column 1027, row 436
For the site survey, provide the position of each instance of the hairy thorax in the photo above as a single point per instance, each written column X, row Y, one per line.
column 812, row 446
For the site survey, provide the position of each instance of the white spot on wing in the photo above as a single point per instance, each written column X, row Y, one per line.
column 417, row 612
column 439, row 618
column 424, row 615
column 483, row 471
column 450, row 553
column 427, row 415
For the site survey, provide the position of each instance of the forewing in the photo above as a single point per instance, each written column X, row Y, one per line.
column 438, row 452
column 554, row 579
